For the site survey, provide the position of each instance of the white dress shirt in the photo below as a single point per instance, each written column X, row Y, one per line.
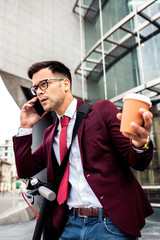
column 81, row 195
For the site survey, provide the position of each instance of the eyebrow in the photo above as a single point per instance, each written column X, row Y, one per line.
column 39, row 82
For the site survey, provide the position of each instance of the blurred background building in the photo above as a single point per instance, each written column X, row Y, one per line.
column 111, row 46
column 8, row 174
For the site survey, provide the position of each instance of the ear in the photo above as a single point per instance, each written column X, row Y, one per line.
column 66, row 84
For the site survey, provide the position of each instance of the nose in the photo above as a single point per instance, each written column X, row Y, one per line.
column 39, row 91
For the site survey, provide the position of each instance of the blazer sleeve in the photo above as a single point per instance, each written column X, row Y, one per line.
column 121, row 144
column 27, row 164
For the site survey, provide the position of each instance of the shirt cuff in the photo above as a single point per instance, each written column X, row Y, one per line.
column 24, row 132
column 138, row 150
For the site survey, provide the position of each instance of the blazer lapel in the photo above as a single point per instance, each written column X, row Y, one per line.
column 51, row 162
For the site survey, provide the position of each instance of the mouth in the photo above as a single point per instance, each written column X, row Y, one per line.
column 43, row 100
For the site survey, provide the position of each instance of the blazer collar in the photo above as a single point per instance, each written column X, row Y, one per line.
column 79, row 103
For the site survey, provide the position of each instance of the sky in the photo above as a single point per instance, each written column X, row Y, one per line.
column 9, row 114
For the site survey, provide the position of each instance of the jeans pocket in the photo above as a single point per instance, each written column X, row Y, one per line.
column 113, row 229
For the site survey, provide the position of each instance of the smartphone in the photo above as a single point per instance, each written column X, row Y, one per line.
column 38, row 107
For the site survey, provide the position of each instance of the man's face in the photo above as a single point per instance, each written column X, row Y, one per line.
column 53, row 97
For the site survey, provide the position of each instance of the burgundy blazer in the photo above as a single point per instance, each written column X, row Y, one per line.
column 107, row 158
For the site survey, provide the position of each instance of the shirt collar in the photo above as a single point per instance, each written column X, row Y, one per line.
column 70, row 111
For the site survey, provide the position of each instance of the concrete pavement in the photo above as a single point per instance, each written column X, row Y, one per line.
column 151, row 231
column 17, row 231
column 14, row 209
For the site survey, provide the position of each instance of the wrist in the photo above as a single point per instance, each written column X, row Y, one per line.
column 25, row 126
column 143, row 147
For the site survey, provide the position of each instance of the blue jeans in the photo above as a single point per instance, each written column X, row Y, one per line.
column 92, row 228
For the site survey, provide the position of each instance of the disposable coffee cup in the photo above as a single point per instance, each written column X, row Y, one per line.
column 130, row 113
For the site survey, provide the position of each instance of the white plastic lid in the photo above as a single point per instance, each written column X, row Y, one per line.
column 138, row 96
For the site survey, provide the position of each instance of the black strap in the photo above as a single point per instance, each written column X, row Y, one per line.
column 82, row 113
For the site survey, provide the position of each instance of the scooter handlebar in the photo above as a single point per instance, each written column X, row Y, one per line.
column 47, row 193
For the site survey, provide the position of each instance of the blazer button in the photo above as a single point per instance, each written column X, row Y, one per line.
column 101, row 197
column 88, row 175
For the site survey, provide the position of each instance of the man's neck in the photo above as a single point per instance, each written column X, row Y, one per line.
column 64, row 107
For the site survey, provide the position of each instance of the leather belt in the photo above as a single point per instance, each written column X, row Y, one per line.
column 89, row 212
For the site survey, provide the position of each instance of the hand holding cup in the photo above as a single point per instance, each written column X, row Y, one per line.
column 136, row 120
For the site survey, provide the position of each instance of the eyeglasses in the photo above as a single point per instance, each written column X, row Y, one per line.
column 43, row 85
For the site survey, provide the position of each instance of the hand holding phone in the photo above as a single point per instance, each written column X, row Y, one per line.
column 31, row 113
column 38, row 107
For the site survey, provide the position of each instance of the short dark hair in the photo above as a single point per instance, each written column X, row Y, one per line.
column 54, row 66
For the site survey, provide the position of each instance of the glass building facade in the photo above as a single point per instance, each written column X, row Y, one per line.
column 120, row 45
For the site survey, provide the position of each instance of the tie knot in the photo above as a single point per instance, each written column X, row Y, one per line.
column 64, row 121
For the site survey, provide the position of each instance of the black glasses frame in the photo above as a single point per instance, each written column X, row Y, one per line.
column 43, row 85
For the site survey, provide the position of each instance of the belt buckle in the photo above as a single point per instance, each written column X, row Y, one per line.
column 80, row 215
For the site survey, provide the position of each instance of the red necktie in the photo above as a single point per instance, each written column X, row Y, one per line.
column 64, row 187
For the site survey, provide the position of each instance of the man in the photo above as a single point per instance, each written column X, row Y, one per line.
column 105, row 200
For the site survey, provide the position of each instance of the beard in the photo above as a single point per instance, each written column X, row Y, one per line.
column 53, row 105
